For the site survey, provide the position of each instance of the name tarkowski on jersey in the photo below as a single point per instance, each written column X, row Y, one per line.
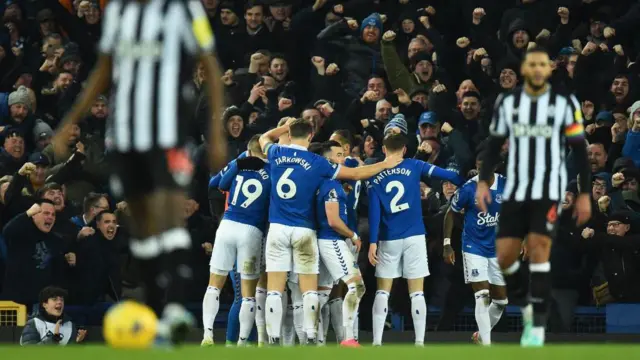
column 293, row 160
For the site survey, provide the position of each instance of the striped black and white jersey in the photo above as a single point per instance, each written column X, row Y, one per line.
column 153, row 45
column 538, row 129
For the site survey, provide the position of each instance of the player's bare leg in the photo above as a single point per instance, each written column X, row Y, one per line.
column 211, row 305
column 162, row 245
column 334, row 309
column 276, row 281
column 508, row 253
column 248, row 307
column 418, row 308
column 350, row 305
column 323, row 319
column 380, row 308
column 261, row 298
column 539, row 249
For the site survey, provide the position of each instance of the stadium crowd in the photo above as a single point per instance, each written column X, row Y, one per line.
column 357, row 69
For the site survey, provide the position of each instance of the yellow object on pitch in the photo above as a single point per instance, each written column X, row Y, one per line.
column 130, row 325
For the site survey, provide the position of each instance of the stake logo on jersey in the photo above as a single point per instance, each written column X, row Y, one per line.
column 479, row 234
column 248, row 194
column 296, row 176
column 330, row 191
column 396, row 194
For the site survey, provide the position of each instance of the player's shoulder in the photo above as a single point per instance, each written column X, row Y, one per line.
column 471, row 183
column 351, row 162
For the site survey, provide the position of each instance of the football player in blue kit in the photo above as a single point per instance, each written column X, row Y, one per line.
column 337, row 261
column 291, row 241
column 397, row 233
column 480, row 263
column 239, row 238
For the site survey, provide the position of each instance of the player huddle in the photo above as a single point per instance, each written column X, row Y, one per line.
column 311, row 196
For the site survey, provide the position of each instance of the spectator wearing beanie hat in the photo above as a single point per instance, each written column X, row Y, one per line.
column 397, row 125
column 359, row 55
column 20, row 116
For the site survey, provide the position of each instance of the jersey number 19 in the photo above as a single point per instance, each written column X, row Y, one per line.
column 251, row 194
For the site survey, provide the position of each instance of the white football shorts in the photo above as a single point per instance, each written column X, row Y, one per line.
column 479, row 268
column 292, row 248
column 338, row 260
column 405, row 258
column 237, row 242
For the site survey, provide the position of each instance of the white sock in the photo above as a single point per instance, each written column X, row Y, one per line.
column 496, row 309
column 350, row 310
column 298, row 321
column 210, row 306
column 380, row 306
column 285, row 305
column 247, row 318
column 482, row 316
column 261, row 325
column 288, row 332
column 419, row 315
column 527, row 314
column 310, row 312
column 337, row 321
column 538, row 331
column 356, row 325
column 273, row 315
column 323, row 319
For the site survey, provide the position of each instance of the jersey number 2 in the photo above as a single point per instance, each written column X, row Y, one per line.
column 246, row 191
column 395, row 207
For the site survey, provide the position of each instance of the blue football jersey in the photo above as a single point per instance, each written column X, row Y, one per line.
column 249, row 191
column 395, row 206
column 353, row 196
column 480, row 229
column 296, row 175
column 214, row 182
column 330, row 191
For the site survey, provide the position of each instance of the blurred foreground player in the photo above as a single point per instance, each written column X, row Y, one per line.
column 148, row 49
column 540, row 123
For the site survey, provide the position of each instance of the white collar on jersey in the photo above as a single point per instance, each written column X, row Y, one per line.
column 494, row 186
column 294, row 146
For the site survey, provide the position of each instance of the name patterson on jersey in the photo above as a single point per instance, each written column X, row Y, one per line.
column 293, row 160
column 388, row 172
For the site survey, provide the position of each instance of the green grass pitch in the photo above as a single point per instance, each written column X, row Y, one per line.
column 388, row 352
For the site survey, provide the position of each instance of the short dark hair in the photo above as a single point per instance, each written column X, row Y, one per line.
column 345, row 136
column 102, row 213
column 254, row 143
column 51, row 292
column 394, row 142
column 536, row 50
column 316, row 148
column 47, row 187
column 277, row 56
column 91, row 200
column 45, row 201
column 327, row 145
column 300, row 128
column 253, row 3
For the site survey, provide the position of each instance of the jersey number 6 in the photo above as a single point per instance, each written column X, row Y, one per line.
column 395, row 207
column 284, row 180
